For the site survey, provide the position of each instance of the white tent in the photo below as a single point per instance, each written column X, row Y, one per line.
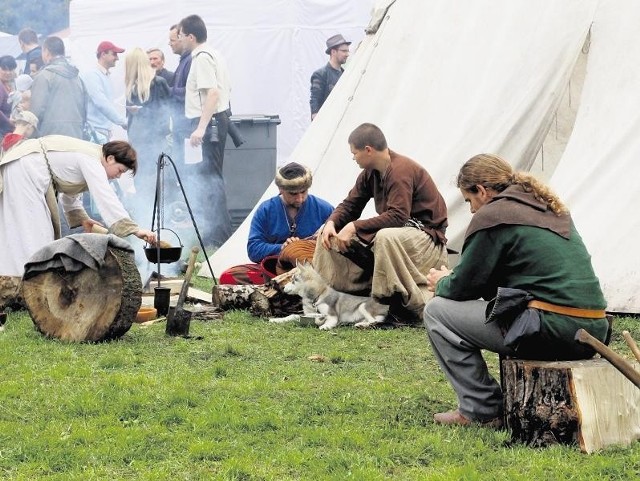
column 449, row 79
column 271, row 47
column 599, row 171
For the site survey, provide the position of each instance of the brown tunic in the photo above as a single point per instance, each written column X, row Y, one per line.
column 404, row 191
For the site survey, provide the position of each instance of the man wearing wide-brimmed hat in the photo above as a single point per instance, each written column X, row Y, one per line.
column 324, row 79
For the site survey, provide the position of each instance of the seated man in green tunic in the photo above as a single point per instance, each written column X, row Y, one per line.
column 523, row 287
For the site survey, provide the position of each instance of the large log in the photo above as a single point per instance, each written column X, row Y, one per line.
column 586, row 403
column 88, row 305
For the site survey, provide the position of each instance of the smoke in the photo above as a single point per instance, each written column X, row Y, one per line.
column 44, row 16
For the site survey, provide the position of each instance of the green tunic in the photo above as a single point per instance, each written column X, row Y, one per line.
column 551, row 267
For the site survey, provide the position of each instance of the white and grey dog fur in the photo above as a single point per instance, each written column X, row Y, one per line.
column 337, row 308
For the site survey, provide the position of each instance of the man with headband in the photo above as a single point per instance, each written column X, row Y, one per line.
column 283, row 228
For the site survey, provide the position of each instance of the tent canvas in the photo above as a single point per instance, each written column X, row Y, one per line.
column 447, row 80
column 598, row 173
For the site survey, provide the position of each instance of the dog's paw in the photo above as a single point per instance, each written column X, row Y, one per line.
column 375, row 324
column 329, row 323
column 282, row 320
column 319, row 319
column 364, row 325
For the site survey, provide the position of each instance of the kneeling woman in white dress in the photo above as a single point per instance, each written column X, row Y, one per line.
column 32, row 172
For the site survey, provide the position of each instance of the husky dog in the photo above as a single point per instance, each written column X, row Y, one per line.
column 336, row 307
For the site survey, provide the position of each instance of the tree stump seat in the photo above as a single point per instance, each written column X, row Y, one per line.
column 588, row 403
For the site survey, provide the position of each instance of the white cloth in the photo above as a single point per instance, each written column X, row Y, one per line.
column 25, row 220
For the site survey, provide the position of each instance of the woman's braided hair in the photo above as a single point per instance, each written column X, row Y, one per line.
column 490, row 171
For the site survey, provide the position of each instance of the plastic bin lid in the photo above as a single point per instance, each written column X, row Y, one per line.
column 256, row 118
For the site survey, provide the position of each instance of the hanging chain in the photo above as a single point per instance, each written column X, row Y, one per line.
column 161, row 193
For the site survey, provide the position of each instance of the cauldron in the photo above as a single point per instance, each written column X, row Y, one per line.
column 167, row 254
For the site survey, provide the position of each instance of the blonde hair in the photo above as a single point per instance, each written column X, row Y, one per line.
column 138, row 75
column 492, row 172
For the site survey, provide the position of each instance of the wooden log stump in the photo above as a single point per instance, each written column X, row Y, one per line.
column 587, row 403
column 88, row 305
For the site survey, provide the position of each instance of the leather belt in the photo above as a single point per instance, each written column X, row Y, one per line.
column 568, row 311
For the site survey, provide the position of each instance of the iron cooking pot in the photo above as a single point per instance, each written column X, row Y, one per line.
column 167, row 254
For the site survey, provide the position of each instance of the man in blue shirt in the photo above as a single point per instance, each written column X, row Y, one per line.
column 283, row 228
column 101, row 110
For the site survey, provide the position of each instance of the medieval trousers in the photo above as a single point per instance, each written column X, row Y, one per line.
column 458, row 332
column 402, row 259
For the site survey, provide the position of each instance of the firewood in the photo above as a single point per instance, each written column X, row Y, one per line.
column 261, row 300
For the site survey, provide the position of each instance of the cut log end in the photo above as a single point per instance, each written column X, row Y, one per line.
column 569, row 402
column 88, row 305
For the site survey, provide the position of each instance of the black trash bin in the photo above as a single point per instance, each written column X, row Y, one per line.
column 250, row 168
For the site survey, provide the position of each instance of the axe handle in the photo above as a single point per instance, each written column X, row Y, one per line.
column 619, row 362
column 632, row 345
column 187, row 277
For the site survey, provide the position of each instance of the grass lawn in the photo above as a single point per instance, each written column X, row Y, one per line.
column 256, row 401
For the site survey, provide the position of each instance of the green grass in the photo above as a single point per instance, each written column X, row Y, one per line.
column 246, row 402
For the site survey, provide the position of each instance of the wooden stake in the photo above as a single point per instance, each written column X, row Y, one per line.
column 632, row 345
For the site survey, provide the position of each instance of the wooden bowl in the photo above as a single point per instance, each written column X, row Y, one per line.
column 146, row 314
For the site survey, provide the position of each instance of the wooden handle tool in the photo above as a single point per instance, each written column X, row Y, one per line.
column 632, row 344
column 187, row 277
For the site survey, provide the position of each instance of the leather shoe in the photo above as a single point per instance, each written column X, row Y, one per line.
column 455, row 418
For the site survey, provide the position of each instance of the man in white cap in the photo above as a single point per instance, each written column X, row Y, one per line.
column 101, row 111
column 324, row 79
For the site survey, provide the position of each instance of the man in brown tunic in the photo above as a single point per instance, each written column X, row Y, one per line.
column 403, row 241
